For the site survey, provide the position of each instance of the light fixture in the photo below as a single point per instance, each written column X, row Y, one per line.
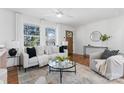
column 59, row 15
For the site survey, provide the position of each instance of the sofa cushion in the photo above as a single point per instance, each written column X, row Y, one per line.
column 43, row 60
column 31, row 52
column 33, row 59
column 33, row 62
column 55, row 49
column 39, row 50
column 51, row 50
column 107, row 53
column 48, row 50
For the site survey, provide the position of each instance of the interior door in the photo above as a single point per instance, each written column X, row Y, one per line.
column 69, row 38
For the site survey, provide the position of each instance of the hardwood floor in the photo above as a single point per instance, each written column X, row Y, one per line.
column 84, row 60
column 13, row 74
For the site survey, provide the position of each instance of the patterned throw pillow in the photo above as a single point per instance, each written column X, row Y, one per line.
column 107, row 53
column 39, row 50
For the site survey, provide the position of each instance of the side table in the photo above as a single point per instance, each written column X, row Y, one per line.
column 18, row 62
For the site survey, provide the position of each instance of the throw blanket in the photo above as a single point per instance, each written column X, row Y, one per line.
column 99, row 63
column 119, row 59
column 114, row 61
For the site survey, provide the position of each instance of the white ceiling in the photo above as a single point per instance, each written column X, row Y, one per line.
column 80, row 15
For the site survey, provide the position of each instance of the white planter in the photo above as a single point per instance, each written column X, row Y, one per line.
column 105, row 43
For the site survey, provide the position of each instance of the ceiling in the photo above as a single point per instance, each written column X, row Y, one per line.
column 74, row 16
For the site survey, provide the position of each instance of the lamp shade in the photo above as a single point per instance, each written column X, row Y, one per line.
column 2, row 46
column 13, row 44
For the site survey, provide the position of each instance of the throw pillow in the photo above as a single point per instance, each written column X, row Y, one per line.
column 107, row 53
column 61, row 49
column 48, row 50
column 39, row 50
column 55, row 49
column 31, row 52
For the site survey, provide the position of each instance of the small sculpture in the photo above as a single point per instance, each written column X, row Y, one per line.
column 12, row 52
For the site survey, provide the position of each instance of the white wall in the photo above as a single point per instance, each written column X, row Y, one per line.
column 60, row 28
column 11, row 23
column 7, row 26
column 113, row 27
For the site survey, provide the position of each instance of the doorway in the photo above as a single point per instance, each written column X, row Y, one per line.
column 69, row 38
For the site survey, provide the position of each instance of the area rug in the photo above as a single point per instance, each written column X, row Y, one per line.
column 84, row 75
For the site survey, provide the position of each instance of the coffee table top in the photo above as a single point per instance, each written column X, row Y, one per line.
column 61, row 65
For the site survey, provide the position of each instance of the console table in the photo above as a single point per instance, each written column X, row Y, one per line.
column 90, row 49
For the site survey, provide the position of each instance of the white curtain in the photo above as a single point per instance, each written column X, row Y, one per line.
column 19, row 31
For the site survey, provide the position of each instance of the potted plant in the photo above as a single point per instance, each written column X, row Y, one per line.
column 61, row 58
column 104, row 37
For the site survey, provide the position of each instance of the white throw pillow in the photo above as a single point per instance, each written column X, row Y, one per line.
column 39, row 50
column 48, row 50
column 55, row 49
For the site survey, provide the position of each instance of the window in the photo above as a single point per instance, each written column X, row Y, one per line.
column 31, row 35
column 50, row 36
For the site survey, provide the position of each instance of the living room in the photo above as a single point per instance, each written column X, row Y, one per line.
column 95, row 60
column 61, row 35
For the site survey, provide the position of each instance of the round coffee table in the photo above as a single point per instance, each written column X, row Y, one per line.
column 61, row 67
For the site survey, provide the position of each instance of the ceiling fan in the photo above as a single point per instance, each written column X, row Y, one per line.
column 59, row 13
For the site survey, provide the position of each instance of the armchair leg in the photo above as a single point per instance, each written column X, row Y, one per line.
column 25, row 69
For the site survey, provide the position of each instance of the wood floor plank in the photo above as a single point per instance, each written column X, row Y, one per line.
column 12, row 75
column 84, row 60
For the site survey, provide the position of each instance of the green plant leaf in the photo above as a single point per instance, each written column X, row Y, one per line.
column 104, row 37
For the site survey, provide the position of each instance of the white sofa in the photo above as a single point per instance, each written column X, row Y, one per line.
column 43, row 55
column 113, row 70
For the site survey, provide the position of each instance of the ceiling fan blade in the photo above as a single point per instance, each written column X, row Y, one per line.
column 55, row 12
column 60, row 11
column 69, row 16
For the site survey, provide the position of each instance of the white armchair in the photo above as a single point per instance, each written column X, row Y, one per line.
column 29, row 62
